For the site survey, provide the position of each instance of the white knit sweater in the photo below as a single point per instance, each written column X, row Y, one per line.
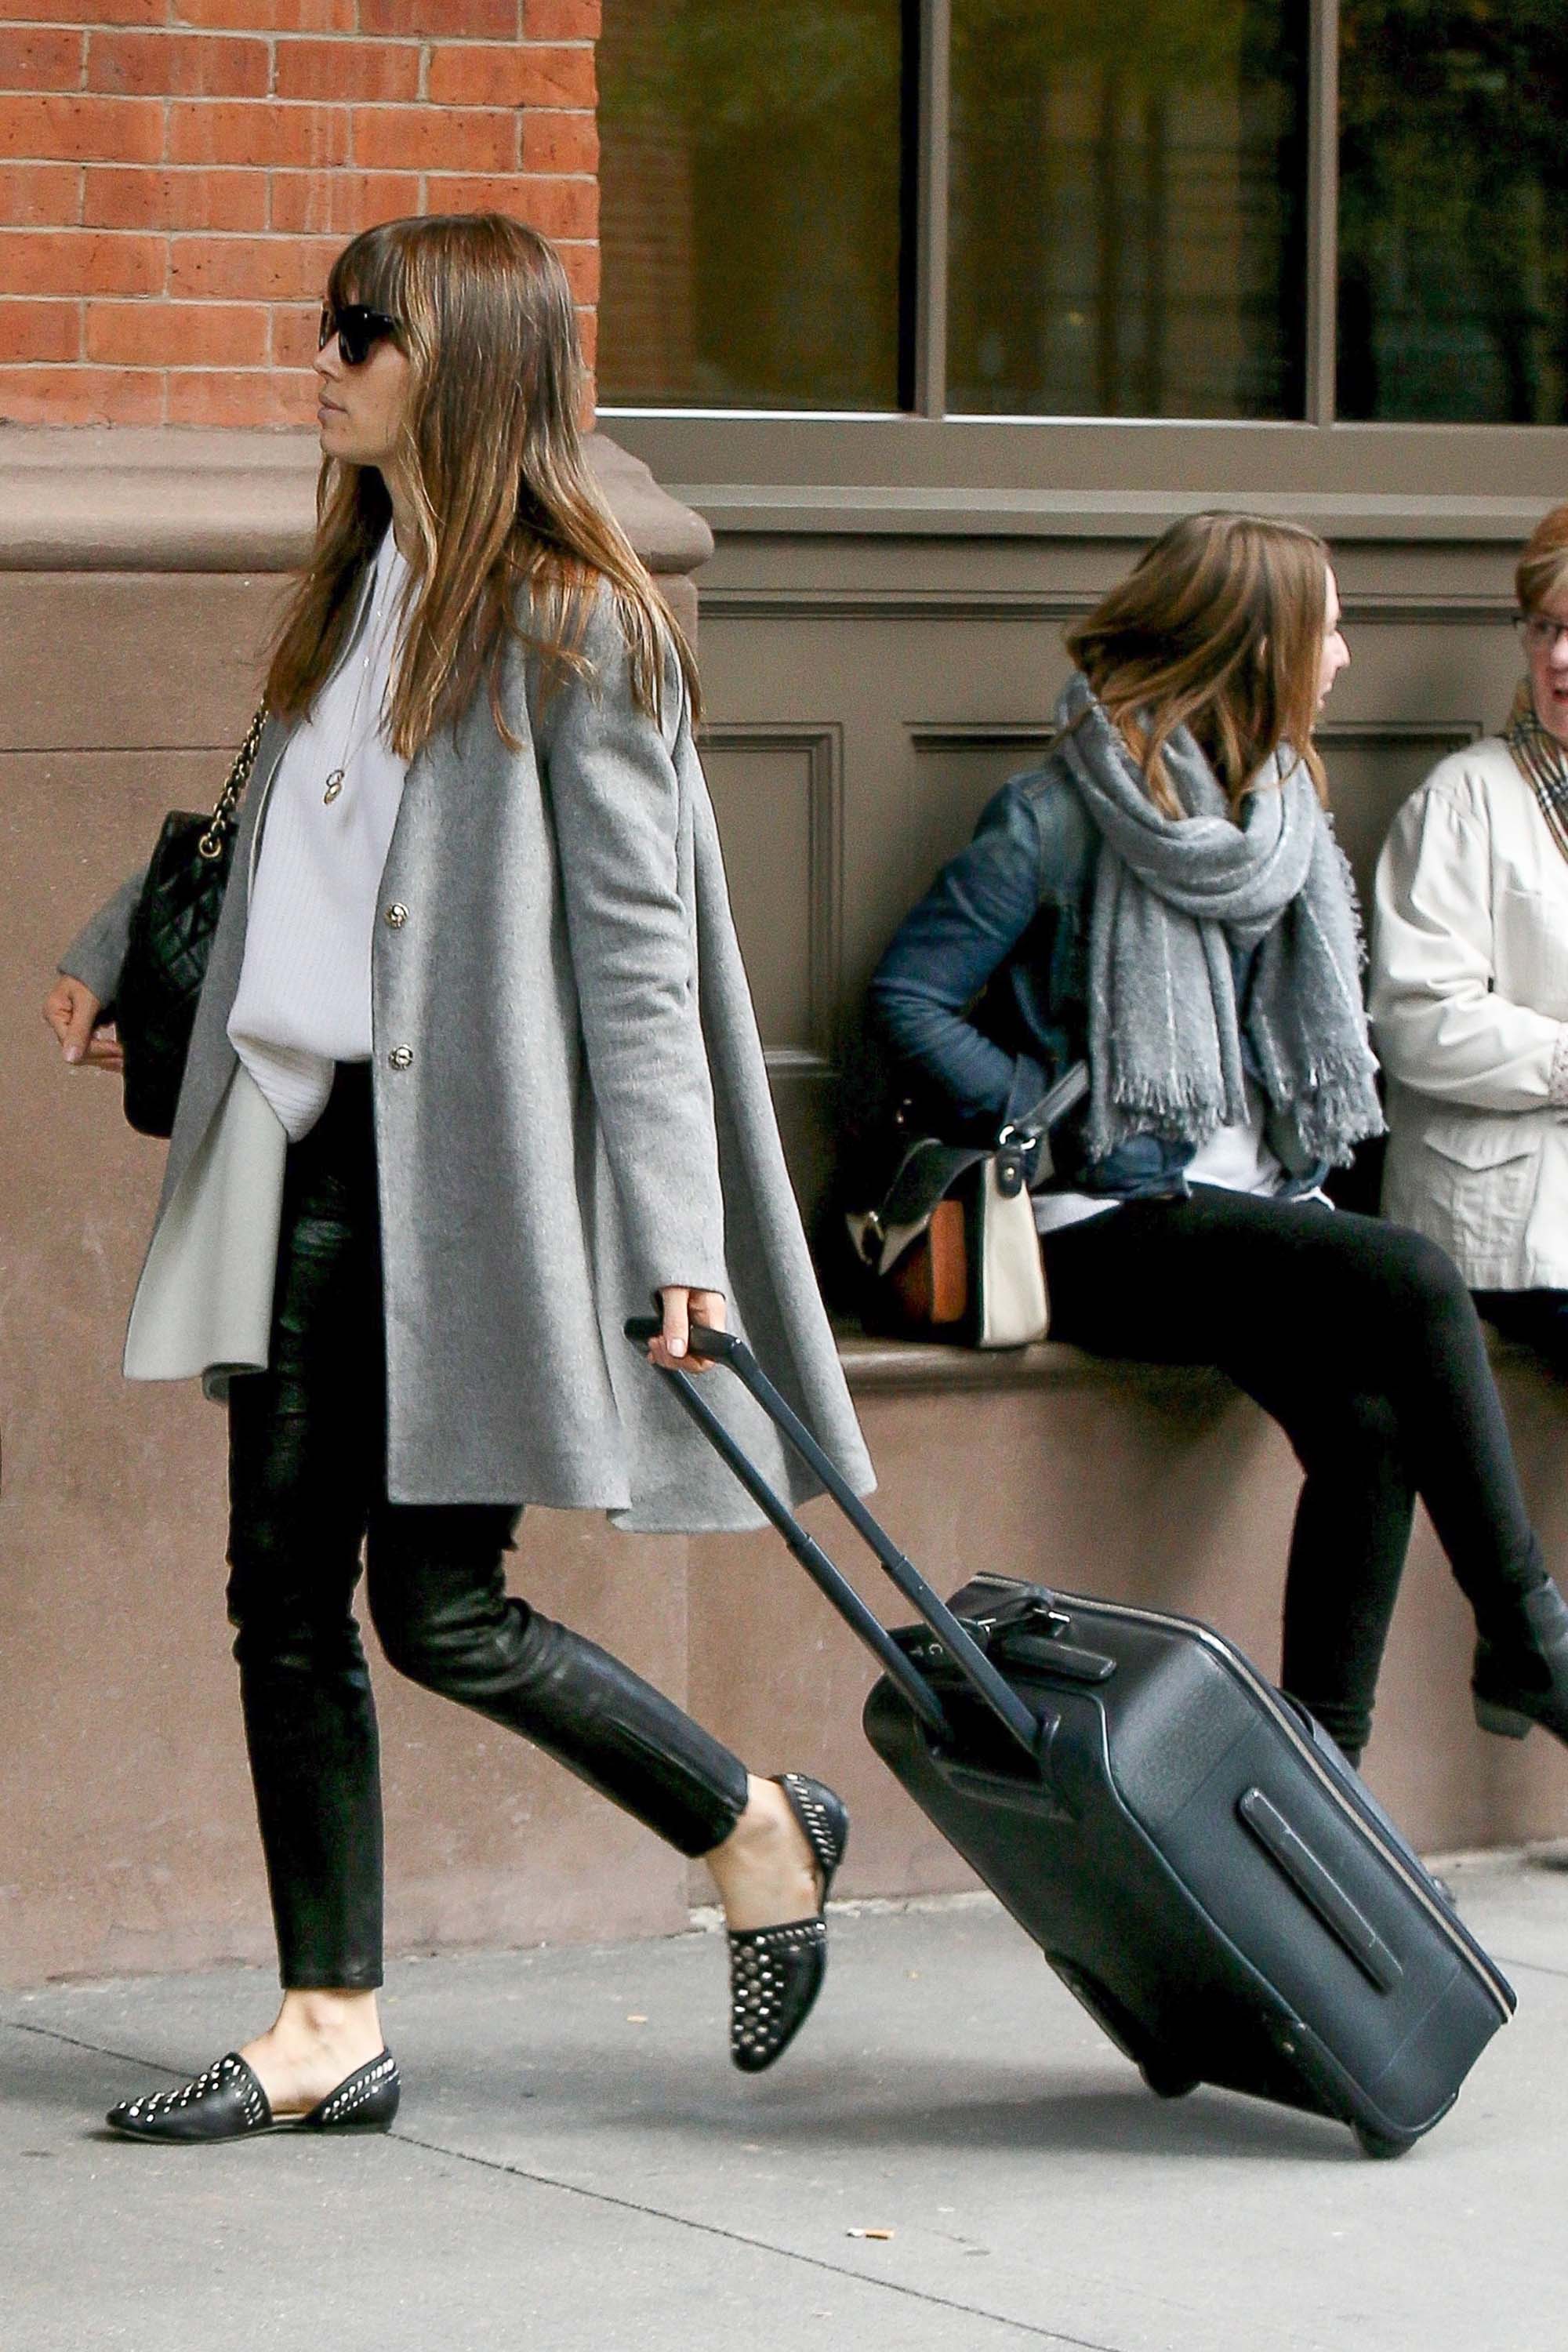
column 303, row 1001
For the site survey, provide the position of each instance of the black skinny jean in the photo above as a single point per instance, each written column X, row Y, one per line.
column 1361, row 1340
column 307, row 1490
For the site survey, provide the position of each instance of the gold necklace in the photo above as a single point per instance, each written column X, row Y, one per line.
column 336, row 776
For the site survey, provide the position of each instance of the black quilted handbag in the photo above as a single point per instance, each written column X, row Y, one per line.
column 170, row 943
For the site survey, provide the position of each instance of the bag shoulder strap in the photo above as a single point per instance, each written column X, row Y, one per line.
column 211, row 843
column 925, row 1175
column 1055, row 1104
column 929, row 1169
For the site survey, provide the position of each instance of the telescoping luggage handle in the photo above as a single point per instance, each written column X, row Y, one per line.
column 963, row 1649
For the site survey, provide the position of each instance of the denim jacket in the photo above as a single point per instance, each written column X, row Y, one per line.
column 982, row 995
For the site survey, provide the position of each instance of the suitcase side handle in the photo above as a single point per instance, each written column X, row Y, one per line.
column 964, row 1653
column 1318, row 1886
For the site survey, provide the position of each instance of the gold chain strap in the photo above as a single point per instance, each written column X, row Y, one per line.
column 211, row 842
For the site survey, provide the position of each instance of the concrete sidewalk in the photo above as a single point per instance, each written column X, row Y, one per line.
column 577, row 2168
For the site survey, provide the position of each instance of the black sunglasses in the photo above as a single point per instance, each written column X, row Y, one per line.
column 357, row 328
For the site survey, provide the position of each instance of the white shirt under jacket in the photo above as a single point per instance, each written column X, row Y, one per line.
column 1470, row 1012
column 303, row 1001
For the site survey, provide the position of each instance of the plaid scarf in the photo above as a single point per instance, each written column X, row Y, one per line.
column 1542, row 762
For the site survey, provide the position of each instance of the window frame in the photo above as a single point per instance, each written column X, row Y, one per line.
column 931, row 24
column 955, row 466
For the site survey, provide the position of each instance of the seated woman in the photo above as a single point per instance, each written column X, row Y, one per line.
column 1165, row 898
column 1469, row 991
column 1470, row 986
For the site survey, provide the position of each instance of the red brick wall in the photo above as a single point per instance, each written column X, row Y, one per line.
column 176, row 176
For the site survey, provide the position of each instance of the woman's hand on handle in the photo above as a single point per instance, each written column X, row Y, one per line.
column 682, row 1308
column 71, row 1010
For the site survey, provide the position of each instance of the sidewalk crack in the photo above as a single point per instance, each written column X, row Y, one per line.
column 629, row 2205
column 96, row 2048
column 757, row 2245
column 1532, row 1968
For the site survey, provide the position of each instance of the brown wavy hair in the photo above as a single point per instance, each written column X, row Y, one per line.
column 1219, row 628
column 514, row 535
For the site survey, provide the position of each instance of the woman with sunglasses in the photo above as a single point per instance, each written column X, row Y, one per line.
column 1469, row 1006
column 473, row 1078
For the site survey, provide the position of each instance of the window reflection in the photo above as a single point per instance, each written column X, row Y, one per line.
column 749, row 199
column 1454, row 211
column 1128, row 207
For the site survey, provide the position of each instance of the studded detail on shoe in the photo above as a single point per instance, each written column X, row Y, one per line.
column 225, row 2101
column 363, row 2101
column 776, row 1973
column 822, row 1817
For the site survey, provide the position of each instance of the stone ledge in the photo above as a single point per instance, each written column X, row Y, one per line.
column 874, row 1367
column 176, row 499
column 877, row 1367
column 871, row 509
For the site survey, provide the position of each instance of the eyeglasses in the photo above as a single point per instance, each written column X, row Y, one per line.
column 1539, row 634
column 358, row 330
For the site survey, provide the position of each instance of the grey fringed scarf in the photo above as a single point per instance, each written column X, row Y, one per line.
column 1170, row 898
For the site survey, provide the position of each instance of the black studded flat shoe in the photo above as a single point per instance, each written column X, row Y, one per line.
column 776, row 1973
column 227, row 2102
column 1520, row 1675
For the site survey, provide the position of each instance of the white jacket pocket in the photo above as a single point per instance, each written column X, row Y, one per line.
column 1481, row 1172
column 1481, row 1143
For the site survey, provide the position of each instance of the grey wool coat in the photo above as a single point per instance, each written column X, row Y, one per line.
column 571, row 1111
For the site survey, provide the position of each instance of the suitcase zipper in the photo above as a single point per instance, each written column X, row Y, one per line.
column 1242, row 1666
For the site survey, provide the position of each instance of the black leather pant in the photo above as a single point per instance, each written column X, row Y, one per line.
column 1362, row 1342
column 307, row 1490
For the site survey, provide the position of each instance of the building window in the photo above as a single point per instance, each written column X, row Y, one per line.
column 751, row 202
column 1260, row 210
column 1453, row 283
column 1127, row 205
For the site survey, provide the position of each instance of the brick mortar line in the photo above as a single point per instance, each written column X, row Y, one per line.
column 265, row 236
column 269, row 99
column 272, row 34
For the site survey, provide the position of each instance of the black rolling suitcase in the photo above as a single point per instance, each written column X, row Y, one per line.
column 1192, row 1853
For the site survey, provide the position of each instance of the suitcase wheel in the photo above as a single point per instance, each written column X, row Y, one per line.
column 1377, row 2145
column 1167, row 2080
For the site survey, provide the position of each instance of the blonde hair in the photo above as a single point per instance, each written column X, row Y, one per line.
column 1541, row 571
column 514, row 534
column 1219, row 628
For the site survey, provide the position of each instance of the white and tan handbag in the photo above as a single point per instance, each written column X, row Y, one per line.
column 951, row 1248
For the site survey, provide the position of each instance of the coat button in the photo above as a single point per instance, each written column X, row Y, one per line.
column 401, row 1056
column 397, row 917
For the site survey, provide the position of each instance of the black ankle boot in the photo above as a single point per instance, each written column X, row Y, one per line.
column 1521, row 1674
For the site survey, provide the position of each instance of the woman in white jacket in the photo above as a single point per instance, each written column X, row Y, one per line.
column 1470, row 1008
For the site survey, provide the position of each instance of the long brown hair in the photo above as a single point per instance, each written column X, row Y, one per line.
column 1219, row 628
column 514, row 534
